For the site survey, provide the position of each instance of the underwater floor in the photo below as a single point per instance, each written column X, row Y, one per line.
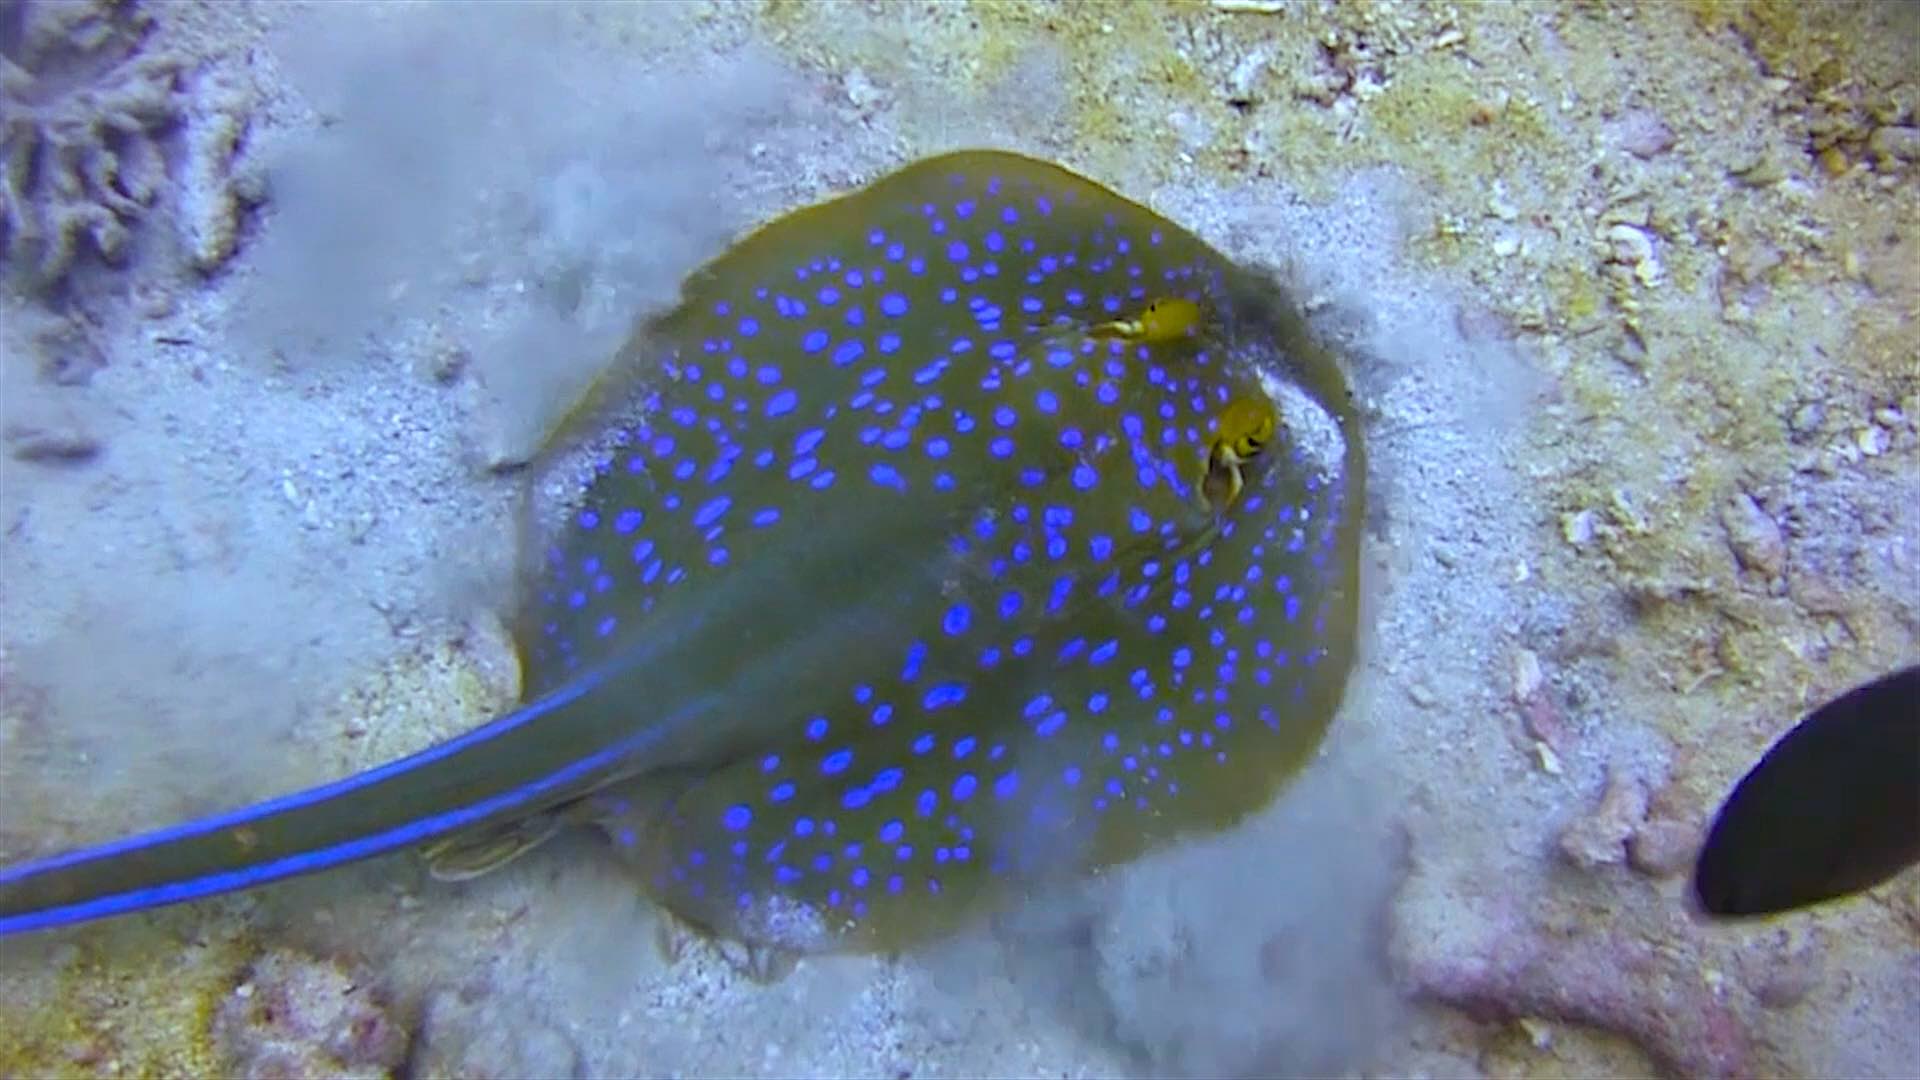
column 1627, row 294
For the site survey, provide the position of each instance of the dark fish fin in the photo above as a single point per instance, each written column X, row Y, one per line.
column 1831, row 810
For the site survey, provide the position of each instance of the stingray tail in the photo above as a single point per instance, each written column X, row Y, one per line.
column 542, row 753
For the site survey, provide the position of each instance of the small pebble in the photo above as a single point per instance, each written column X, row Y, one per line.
column 1643, row 134
column 1527, row 676
column 1600, row 838
column 448, row 361
column 1662, row 847
column 1578, row 528
column 1630, row 244
column 1422, row 694
column 1754, row 536
column 1807, row 420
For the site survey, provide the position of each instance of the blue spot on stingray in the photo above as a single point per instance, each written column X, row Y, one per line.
column 782, row 403
column 962, row 788
column 944, row 695
column 781, row 792
column 847, row 352
column 627, row 521
column 886, row 475
column 737, row 817
column 889, row 343
column 958, row 618
column 893, row 305
column 814, row 341
column 749, row 326
column 837, row 762
column 1046, row 402
column 1057, row 599
column 711, row 512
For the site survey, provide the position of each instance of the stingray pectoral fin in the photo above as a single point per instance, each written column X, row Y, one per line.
column 514, row 769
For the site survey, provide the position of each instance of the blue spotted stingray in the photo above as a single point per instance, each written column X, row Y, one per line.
column 951, row 542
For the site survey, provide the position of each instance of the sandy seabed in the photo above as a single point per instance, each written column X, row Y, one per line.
column 1628, row 292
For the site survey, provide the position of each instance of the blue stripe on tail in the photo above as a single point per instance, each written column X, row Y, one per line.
column 323, row 858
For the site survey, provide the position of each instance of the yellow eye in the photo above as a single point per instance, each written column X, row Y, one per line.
column 1242, row 431
column 1168, row 318
column 1246, row 426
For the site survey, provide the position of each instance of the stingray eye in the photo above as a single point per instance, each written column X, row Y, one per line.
column 1256, row 433
column 1245, row 426
column 1169, row 318
column 1166, row 319
column 1242, row 431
